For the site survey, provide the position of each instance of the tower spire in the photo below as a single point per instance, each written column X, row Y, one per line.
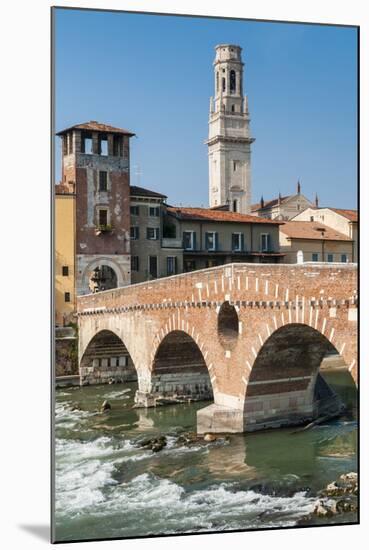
column 298, row 187
column 316, row 200
column 229, row 142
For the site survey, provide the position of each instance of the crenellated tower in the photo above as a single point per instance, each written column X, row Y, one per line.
column 229, row 142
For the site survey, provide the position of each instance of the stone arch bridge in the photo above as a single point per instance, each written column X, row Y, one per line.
column 251, row 337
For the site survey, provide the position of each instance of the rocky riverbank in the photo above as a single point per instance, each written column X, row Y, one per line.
column 336, row 499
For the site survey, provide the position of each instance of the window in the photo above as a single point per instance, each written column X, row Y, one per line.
column 235, row 205
column 344, row 258
column 103, row 217
column 211, row 240
column 87, row 145
column 171, row 265
column 189, row 240
column 135, row 263
column 135, row 232
column 154, row 211
column 232, row 81
column 311, row 218
column 66, row 296
column 217, row 82
column 234, row 165
column 315, row 257
column 117, row 146
column 237, row 242
column 232, row 108
column 223, row 84
column 330, row 258
column 153, row 267
column 135, row 210
column 103, row 181
column 103, row 146
column 189, row 265
column 65, row 271
column 152, row 233
column 265, row 242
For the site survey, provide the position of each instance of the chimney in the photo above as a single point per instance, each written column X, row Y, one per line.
column 262, row 202
column 279, row 199
column 316, row 200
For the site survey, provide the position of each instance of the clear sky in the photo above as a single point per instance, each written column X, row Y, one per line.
column 153, row 75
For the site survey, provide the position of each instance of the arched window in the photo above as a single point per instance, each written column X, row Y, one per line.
column 232, row 81
column 223, row 84
column 232, row 108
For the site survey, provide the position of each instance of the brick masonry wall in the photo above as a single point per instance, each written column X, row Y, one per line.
column 266, row 298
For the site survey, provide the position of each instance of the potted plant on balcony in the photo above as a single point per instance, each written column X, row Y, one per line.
column 103, row 228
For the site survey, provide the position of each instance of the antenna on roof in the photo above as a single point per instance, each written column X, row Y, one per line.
column 138, row 174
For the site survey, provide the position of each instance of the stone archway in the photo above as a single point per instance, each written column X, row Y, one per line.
column 103, row 277
column 106, row 360
column 111, row 272
column 284, row 386
column 179, row 371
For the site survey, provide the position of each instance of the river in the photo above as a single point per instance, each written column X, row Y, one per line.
column 107, row 486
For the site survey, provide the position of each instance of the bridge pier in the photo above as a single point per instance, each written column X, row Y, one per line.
column 273, row 410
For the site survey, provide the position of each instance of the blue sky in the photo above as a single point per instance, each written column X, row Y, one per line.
column 153, row 75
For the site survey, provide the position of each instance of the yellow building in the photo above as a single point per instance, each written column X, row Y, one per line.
column 65, row 223
column 314, row 242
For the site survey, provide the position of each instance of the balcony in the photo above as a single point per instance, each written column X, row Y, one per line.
column 171, row 243
column 103, row 229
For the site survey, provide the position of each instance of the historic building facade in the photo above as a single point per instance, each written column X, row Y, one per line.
column 312, row 241
column 210, row 238
column 283, row 208
column 152, row 255
column 65, row 291
column 342, row 220
column 95, row 167
column 229, row 141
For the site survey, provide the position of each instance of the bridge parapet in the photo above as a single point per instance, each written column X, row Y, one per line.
column 280, row 284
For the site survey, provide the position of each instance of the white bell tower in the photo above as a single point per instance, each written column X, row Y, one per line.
column 229, row 143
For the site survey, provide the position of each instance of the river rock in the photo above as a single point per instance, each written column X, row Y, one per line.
column 346, row 484
column 325, row 507
column 105, row 406
column 210, row 437
column 155, row 444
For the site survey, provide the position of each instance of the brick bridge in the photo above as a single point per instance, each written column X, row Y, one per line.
column 251, row 337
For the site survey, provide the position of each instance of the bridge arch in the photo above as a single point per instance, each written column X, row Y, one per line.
column 284, row 384
column 179, row 368
column 106, row 359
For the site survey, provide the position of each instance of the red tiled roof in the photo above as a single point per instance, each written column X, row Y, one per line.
column 207, row 214
column 311, row 230
column 349, row 214
column 94, row 126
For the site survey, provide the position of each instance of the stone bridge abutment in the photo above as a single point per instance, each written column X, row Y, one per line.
column 249, row 336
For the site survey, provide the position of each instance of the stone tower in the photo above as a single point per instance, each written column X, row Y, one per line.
column 229, row 142
column 95, row 169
